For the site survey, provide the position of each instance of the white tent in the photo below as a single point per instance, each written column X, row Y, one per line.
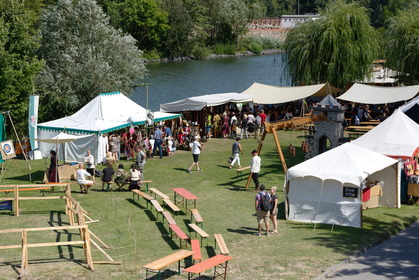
column 196, row 103
column 314, row 189
column 378, row 95
column 105, row 113
column 397, row 137
column 266, row 94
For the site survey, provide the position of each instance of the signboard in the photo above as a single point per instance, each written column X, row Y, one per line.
column 350, row 192
column 7, row 149
column 6, row 205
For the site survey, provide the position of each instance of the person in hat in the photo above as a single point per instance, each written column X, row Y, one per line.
column 196, row 150
column 255, row 168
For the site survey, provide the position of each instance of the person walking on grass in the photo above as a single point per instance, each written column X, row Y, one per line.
column 262, row 206
column 274, row 209
column 255, row 168
column 196, row 150
column 236, row 150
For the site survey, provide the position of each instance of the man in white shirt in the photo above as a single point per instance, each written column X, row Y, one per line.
column 81, row 178
column 255, row 168
column 90, row 164
column 196, row 150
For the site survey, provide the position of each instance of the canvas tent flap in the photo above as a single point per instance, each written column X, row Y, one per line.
column 266, row 94
column 196, row 103
column 397, row 136
column 378, row 95
column 347, row 163
column 62, row 138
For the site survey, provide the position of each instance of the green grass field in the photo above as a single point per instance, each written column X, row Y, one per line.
column 297, row 251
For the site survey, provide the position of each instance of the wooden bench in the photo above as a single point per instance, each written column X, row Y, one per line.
column 180, row 234
column 240, row 171
column 200, row 231
column 169, row 218
column 172, row 206
column 196, row 248
column 159, row 264
column 146, row 184
column 158, row 207
column 198, row 219
column 143, row 195
column 221, row 244
column 84, row 188
column 219, row 260
column 156, row 193
column 42, row 189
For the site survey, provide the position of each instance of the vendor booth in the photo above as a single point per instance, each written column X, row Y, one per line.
column 105, row 113
column 330, row 187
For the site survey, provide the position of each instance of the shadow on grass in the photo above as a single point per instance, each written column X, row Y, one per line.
column 161, row 228
column 172, row 243
column 181, row 169
column 243, row 230
column 36, row 176
column 164, row 275
column 210, row 251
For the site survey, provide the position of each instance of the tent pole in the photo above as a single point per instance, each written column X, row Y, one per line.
column 331, row 230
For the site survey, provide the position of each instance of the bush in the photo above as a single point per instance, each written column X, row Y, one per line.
column 199, row 52
column 255, row 48
column 152, row 55
column 224, row 49
column 270, row 43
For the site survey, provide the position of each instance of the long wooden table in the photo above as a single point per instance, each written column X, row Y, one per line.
column 157, row 265
column 360, row 128
column 219, row 260
column 185, row 196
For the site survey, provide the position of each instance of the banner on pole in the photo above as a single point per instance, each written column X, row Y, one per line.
column 7, row 149
column 33, row 120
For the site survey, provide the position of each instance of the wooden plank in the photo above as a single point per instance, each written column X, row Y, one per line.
column 243, row 168
column 172, row 206
column 178, row 232
column 221, row 244
column 42, row 228
column 142, row 194
column 185, row 193
column 169, row 218
column 35, row 185
column 196, row 248
column 157, row 205
column 63, row 243
column 40, row 198
column 168, row 260
column 207, row 264
column 199, row 230
column 11, row 247
column 197, row 216
column 159, row 193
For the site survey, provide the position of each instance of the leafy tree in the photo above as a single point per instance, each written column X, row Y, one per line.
column 403, row 44
column 337, row 48
column 18, row 63
column 143, row 19
column 84, row 56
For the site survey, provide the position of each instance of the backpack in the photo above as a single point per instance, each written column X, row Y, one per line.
column 265, row 201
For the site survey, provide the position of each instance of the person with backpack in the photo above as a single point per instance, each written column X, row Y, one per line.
column 263, row 206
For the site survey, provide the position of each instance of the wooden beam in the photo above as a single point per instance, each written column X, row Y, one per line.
column 42, row 228
column 63, row 243
column 281, row 155
column 100, row 249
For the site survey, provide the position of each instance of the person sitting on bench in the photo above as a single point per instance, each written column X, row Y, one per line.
column 81, row 178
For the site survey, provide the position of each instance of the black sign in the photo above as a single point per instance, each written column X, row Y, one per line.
column 350, row 192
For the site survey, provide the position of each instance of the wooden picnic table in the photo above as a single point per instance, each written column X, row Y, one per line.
column 373, row 123
column 360, row 128
column 159, row 264
column 185, row 197
column 215, row 261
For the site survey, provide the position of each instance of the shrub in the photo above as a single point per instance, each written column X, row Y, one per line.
column 270, row 43
column 224, row 49
column 152, row 55
column 199, row 52
column 255, row 48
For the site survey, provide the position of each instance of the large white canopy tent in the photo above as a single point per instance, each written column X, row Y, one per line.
column 197, row 103
column 314, row 188
column 266, row 94
column 105, row 113
column 366, row 94
column 397, row 137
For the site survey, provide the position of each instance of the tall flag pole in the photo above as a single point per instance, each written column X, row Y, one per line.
column 33, row 120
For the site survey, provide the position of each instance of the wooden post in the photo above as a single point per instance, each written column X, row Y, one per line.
column 87, row 248
column 24, row 265
column 16, row 201
column 281, row 155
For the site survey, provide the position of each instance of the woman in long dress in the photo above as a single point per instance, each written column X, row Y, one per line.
column 53, row 175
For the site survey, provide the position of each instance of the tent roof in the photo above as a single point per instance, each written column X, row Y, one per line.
column 397, row 136
column 106, row 112
column 196, row 103
column 347, row 163
column 61, row 138
column 266, row 94
column 378, row 95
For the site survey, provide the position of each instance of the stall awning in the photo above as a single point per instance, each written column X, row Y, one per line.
column 266, row 94
column 379, row 95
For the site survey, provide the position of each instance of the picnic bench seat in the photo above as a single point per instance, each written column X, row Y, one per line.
column 42, row 189
column 197, row 216
column 218, row 260
column 240, row 171
column 180, row 234
column 146, row 184
column 143, row 195
column 172, row 206
column 221, row 244
column 84, row 187
column 156, row 193
column 196, row 248
column 159, row 264
column 200, row 231
column 169, row 218
column 158, row 207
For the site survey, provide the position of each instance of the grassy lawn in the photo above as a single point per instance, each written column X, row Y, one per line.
column 297, row 251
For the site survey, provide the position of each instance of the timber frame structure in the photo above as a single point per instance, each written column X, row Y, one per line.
column 273, row 127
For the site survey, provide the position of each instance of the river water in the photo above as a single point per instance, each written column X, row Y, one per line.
column 172, row 81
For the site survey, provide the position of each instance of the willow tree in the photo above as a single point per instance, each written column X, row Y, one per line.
column 402, row 38
column 337, row 48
